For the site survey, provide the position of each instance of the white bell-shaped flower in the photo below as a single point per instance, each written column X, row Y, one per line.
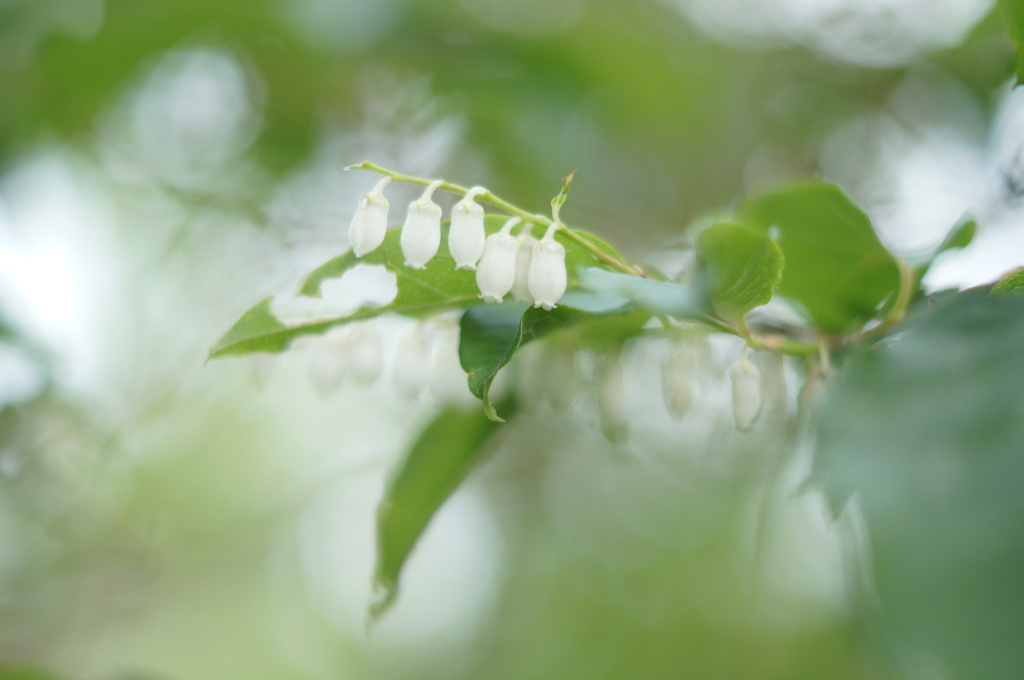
column 370, row 223
column 466, row 237
column 547, row 270
column 421, row 233
column 411, row 369
column 677, row 380
column 746, row 393
column 497, row 269
column 521, row 285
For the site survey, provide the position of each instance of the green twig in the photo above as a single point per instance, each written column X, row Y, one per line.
column 906, row 291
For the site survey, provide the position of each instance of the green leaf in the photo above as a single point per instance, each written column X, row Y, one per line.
column 1011, row 285
column 20, row 673
column 258, row 330
column 959, row 236
column 1013, row 17
column 440, row 459
column 421, row 293
column 438, row 288
column 928, row 432
column 601, row 244
column 740, row 267
column 440, row 281
column 835, row 265
column 660, row 297
column 558, row 201
column 491, row 335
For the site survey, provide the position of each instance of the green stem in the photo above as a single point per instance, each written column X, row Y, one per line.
column 779, row 343
column 899, row 307
column 498, row 202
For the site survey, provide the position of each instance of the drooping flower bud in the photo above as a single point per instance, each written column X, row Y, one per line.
column 677, row 380
column 370, row 222
column 521, row 285
column 746, row 393
column 411, row 370
column 466, row 236
column 547, row 270
column 364, row 358
column 497, row 269
column 421, row 233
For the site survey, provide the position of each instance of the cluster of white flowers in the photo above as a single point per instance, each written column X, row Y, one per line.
column 521, row 265
column 529, row 269
column 750, row 390
column 349, row 353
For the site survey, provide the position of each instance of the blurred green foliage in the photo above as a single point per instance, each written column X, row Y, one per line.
column 927, row 434
column 163, row 539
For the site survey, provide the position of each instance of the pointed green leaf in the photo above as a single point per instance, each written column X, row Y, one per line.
column 959, row 236
column 1011, row 284
column 558, row 201
column 421, row 293
column 492, row 334
column 740, row 267
column 25, row 673
column 440, row 459
column 1013, row 17
column 835, row 265
column 601, row 244
column 258, row 330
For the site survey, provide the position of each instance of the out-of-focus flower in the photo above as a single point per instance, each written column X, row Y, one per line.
column 411, row 369
column 677, row 380
column 611, row 393
column 746, row 393
column 561, row 377
column 365, row 358
column 330, row 363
